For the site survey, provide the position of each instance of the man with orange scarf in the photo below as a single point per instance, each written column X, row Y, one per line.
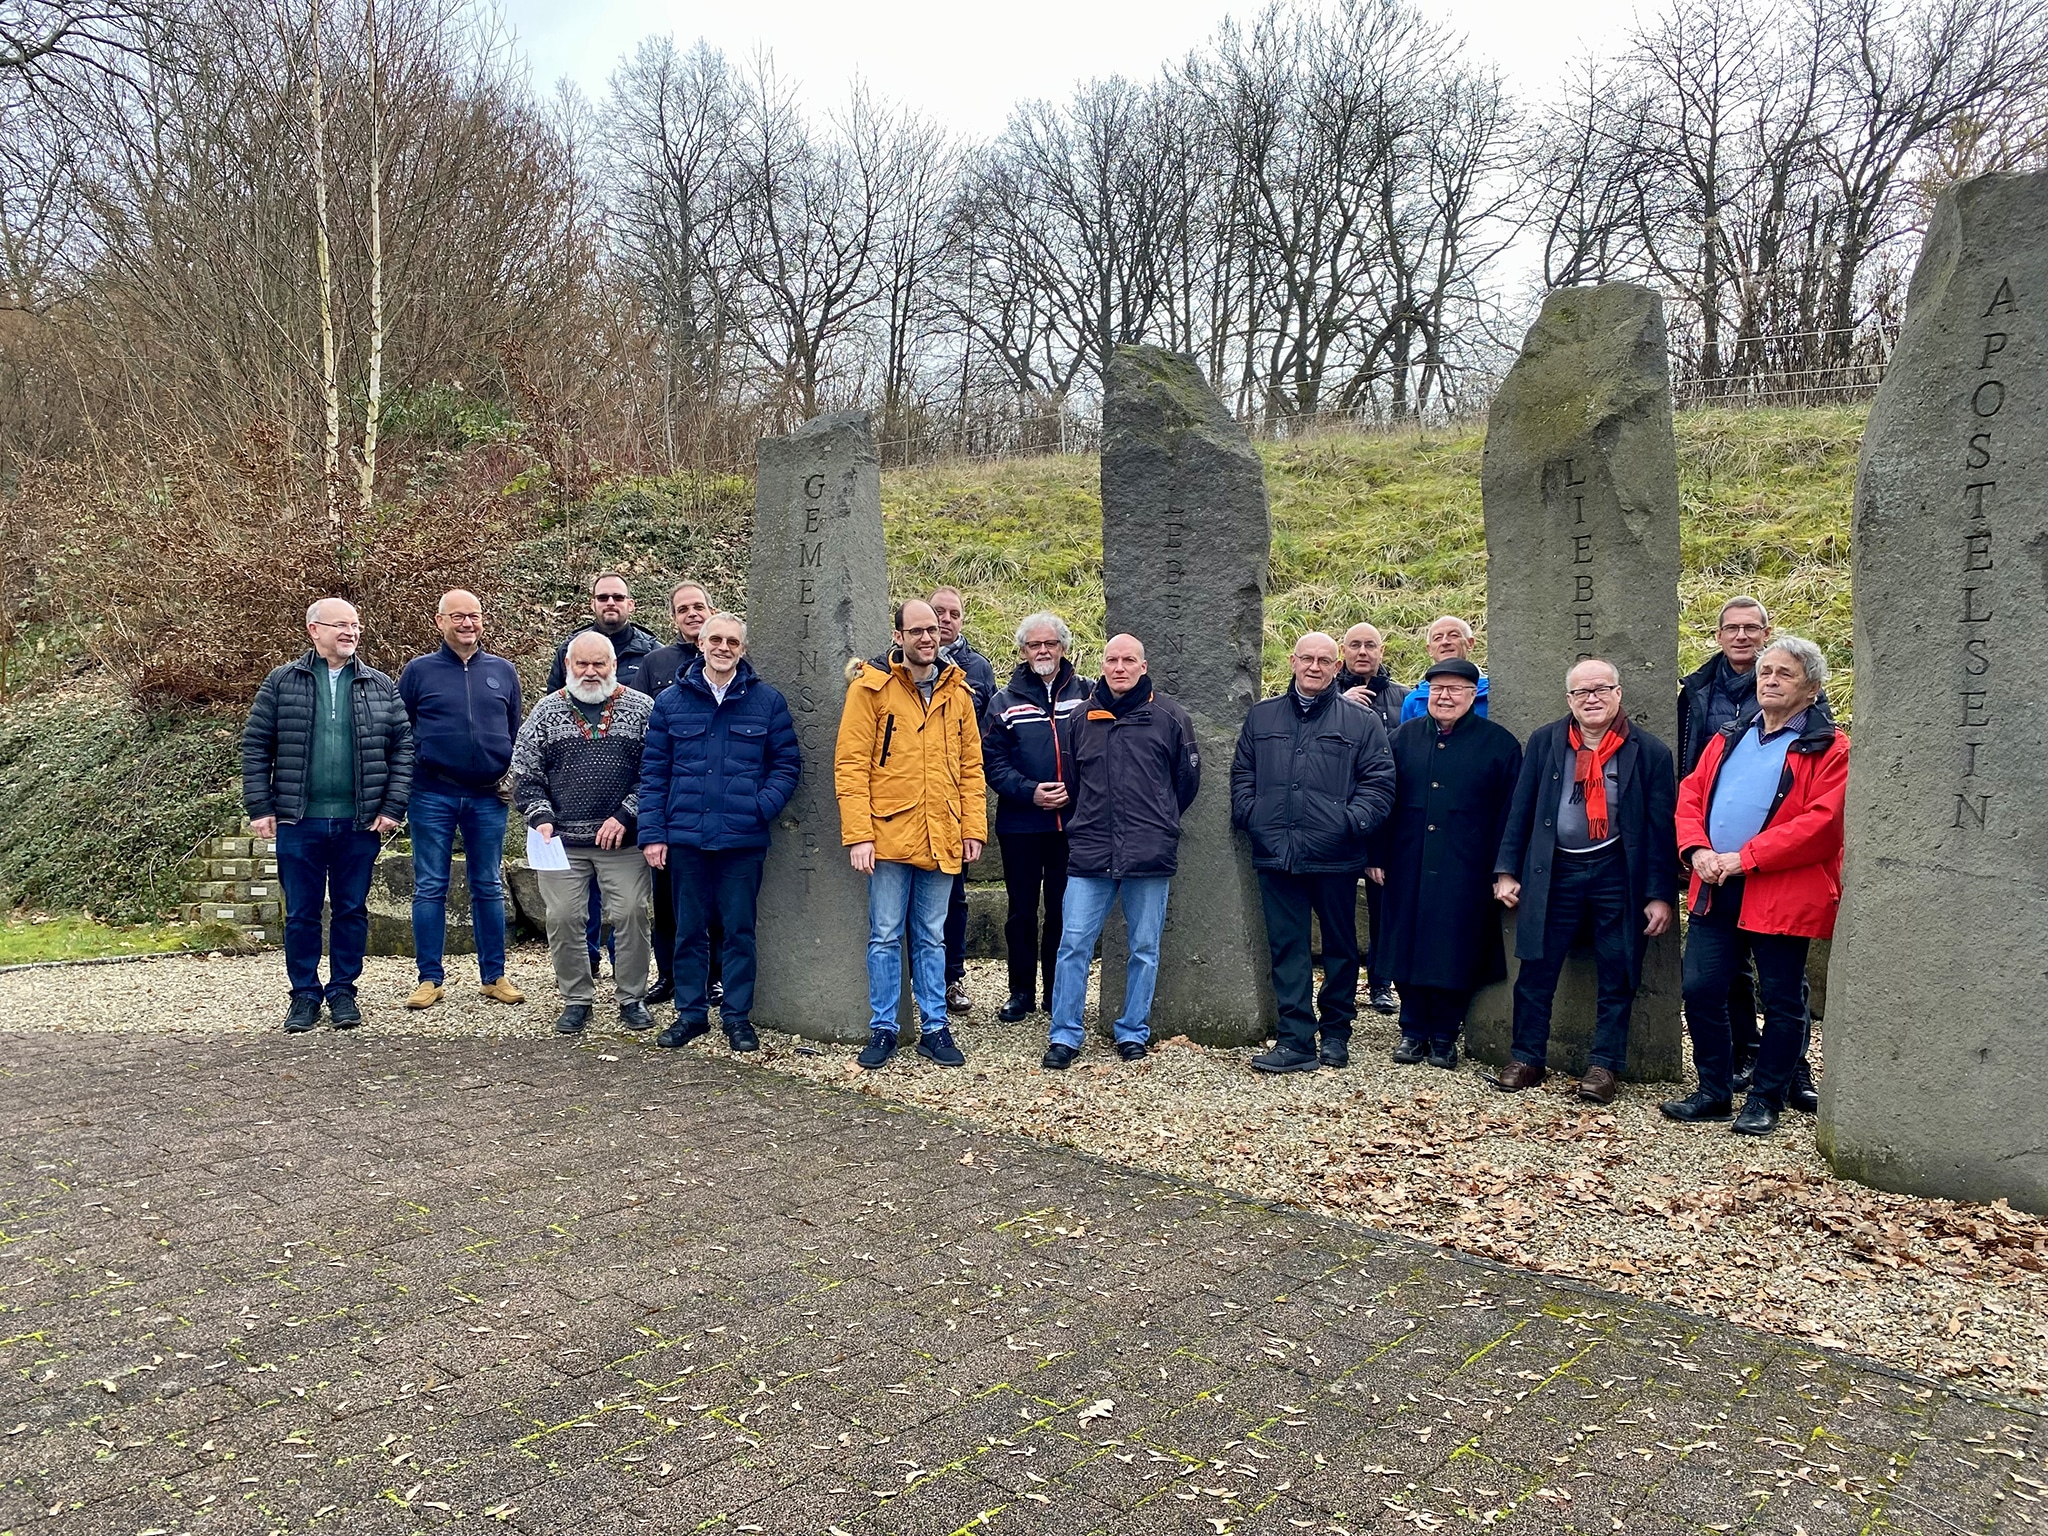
column 1590, row 848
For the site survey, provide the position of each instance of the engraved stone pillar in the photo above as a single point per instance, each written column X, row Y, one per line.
column 1580, row 484
column 1185, row 541
column 1936, row 1030
column 817, row 596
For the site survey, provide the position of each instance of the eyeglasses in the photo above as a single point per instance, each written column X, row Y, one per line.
column 1745, row 629
column 723, row 643
column 929, row 629
column 1598, row 690
column 1316, row 661
column 612, row 597
column 1041, row 645
column 463, row 618
column 346, row 628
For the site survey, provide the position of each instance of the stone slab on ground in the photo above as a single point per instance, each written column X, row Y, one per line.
column 1581, row 494
column 1937, row 1021
column 364, row 1283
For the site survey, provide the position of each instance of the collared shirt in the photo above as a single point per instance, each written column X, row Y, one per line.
column 1747, row 785
column 718, row 690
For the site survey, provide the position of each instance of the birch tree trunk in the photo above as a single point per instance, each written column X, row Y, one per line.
column 330, row 390
column 367, row 470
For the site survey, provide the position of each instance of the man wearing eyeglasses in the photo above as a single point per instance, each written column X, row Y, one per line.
column 326, row 770
column 951, row 609
column 465, row 711
column 1311, row 781
column 690, row 606
column 1590, row 848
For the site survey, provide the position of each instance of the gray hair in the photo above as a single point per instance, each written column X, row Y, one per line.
column 1805, row 652
column 583, row 639
column 1464, row 625
column 1591, row 661
column 723, row 614
column 313, row 612
column 1045, row 620
column 1744, row 601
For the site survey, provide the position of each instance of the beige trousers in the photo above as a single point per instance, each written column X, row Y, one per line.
column 625, row 882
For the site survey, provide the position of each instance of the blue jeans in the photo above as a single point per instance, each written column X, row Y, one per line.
column 435, row 818
column 1716, row 950
column 714, row 889
column 901, row 895
column 319, row 861
column 1089, row 898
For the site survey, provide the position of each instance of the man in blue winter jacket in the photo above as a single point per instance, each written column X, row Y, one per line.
column 465, row 711
column 720, row 762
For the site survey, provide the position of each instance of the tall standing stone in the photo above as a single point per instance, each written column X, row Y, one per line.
column 817, row 596
column 1936, row 1033
column 1580, row 486
column 1185, row 544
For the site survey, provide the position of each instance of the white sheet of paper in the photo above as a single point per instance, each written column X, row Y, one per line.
column 545, row 852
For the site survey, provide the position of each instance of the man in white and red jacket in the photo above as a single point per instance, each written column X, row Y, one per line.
column 1760, row 827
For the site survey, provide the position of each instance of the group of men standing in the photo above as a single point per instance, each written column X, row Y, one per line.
column 659, row 771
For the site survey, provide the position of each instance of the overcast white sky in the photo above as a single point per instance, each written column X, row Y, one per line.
column 965, row 64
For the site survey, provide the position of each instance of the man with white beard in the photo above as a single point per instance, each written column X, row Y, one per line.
column 1027, row 751
column 576, row 774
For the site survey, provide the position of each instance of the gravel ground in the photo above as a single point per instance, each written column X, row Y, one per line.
column 1755, row 1231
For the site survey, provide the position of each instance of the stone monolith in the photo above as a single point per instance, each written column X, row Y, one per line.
column 1185, row 542
column 817, row 595
column 1580, row 486
column 1936, row 1031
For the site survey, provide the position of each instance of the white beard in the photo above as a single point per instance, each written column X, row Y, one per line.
column 1046, row 668
column 591, row 693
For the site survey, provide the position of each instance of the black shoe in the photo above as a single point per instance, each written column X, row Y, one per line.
column 1059, row 1057
column 1383, row 1000
column 1759, row 1117
column 344, row 1012
column 880, row 1047
column 1285, row 1058
column 937, row 1045
column 1445, row 1056
column 593, row 967
column 572, row 1019
column 1335, row 1053
column 304, row 1015
column 715, row 993
column 681, row 1033
column 741, row 1037
column 1744, row 1074
column 1411, row 1050
column 1698, row 1105
column 635, row 1016
column 1134, row 1050
column 1804, row 1097
column 1016, row 1008
column 663, row 991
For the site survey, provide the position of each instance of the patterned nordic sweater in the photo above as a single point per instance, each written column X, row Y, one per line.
column 565, row 776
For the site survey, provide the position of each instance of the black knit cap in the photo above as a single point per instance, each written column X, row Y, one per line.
column 1453, row 666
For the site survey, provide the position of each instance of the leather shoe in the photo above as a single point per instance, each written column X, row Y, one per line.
column 1285, row 1058
column 1697, row 1105
column 1016, row 1008
column 1759, row 1117
column 1599, row 1086
column 572, row 1019
column 1804, row 1097
column 1411, row 1050
column 1445, row 1056
column 681, row 1033
column 663, row 991
column 958, row 999
column 1133, row 1050
column 635, row 1016
column 1744, row 1073
column 1335, row 1053
column 741, row 1037
column 1383, row 1000
column 1517, row 1075
column 1058, row 1057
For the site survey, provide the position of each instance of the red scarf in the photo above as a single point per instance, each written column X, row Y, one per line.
column 1591, row 773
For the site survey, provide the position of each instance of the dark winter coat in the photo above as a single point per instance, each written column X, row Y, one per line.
column 1643, row 820
column 277, row 744
column 1441, row 925
column 1027, row 739
column 716, row 775
column 1695, row 692
column 1311, row 788
column 632, row 645
column 666, row 666
column 1387, row 695
column 1136, row 769
column 979, row 672
column 464, row 719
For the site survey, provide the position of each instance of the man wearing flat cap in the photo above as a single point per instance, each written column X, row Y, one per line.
column 1454, row 777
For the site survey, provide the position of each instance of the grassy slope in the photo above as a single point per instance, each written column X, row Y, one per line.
column 1387, row 527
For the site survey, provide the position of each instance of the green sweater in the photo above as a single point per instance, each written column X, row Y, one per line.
column 331, row 782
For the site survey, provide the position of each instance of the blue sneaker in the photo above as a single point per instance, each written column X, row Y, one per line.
column 937, row 1045
column 880, row 1047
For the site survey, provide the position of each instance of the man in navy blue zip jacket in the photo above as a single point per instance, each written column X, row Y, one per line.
column 465, row 711
column 1027, row 752
column 720, row 762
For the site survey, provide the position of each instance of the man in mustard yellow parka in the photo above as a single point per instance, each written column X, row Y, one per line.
column 913, row 809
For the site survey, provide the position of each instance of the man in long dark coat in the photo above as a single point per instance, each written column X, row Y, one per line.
column 1454, row 776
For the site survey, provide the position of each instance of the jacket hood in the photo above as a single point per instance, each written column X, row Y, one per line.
column 875, row 673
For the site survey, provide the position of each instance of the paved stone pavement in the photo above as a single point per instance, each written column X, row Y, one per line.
column 363, row 1284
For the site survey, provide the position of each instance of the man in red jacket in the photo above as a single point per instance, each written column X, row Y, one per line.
column 1760, row 827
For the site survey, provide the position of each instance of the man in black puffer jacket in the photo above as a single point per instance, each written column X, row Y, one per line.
column 326, row 770
column 1311, row 780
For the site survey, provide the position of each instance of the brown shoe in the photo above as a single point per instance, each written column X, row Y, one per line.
column 1516, row 1076
column 1599, row 1085
column 502, row 991
column 425, row 995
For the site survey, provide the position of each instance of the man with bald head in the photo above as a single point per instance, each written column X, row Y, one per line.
column 1590, row 850
column 326, row 770
column 465, row 711
column 1136, row 770
column 1311, row 781
column 1448, row 638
